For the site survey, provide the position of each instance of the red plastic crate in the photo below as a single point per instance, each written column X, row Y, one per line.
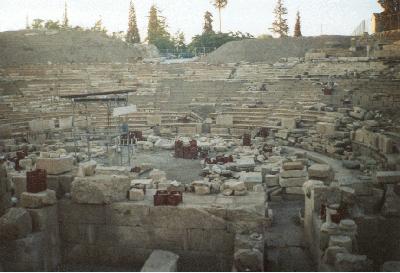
column 36, row 181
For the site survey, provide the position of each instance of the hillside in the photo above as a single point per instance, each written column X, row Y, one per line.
column 271, row 50
column 71, row 46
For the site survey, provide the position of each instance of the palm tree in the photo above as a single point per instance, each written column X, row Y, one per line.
column 220, row 4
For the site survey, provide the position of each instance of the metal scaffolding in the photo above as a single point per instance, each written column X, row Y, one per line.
column 111, row 99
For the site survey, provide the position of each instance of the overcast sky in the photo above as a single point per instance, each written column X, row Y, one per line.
column 253, row 16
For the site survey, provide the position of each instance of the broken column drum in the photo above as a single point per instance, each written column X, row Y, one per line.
column 36, row 181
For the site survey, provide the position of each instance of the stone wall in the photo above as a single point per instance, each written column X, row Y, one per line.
column 126, row 233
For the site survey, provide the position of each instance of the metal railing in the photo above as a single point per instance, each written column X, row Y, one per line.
column 185, row 53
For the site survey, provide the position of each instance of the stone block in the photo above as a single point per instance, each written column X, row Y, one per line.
column 15, row 224
column 292, row 182
column 320, row 171
column 38, row 200
column 309, row 186
column 341, row 241
column 88, row 168
column 251, row 179
column 55, row 165
column 26, row 164
column 19, row 181
column 127, row 214
column 184, row 217
column 245, row 163
column 44, row 218
column 271, row 180
column 294, row 190
column 136, row 195
column 296, row 165
column 202, row 189
column 392, row 177
column 289, row 123
column 234, row 185
column 330, row 254
column 346, row 262
column 293, row 174
column 161, row 261
column 100, row 189
column 142, row 183
column 74, row 213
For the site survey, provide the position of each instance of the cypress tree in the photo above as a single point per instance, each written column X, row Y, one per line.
column 297, row 27
column 132, row 35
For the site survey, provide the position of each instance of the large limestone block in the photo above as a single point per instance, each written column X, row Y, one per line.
column 320, row 171
column 293, row 174
column 271, row 180
column 44, row 218
column 346, row 262
column 19, row 182
column 235, row 185
column 251, row 179
column 295, row 190
column 136, row 194
column 292, row 182
column 87, row 168
column 55, row 165
column 38, row 200
column 289, row 123
column 161, row 261
column 16, row 223
column 296, row 165
column 100, row 189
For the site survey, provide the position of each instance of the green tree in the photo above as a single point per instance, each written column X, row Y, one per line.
column 54, row 25
column 179, row 41
column 220, row 4
column 37, row 24
column 157, row 33
column 297, row 26
column 132, row 36
column 208, row 19
column 280, row 26
column 65, row 23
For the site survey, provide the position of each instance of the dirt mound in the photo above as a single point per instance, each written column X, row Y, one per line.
column 271, row 50
column 68, row 46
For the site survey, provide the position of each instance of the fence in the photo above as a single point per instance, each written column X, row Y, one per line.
column 185, row 53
